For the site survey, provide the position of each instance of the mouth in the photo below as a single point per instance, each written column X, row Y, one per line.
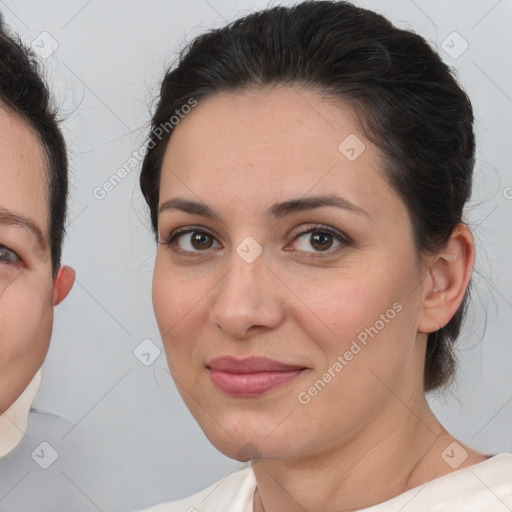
column 250, row 377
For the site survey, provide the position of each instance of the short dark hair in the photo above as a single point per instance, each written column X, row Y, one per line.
column 406, row 99
column 23, row 89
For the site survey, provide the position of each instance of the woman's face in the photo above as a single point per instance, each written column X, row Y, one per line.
column 26, row 283
column 289, row 326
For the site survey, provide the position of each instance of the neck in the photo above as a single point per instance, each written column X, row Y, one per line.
column 376, row 465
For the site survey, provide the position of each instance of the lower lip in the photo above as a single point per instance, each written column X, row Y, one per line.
column 251, row 384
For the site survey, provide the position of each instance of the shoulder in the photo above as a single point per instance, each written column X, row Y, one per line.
column 33, row 471
column 485, row 486
column 233, row 493
column 482, row 487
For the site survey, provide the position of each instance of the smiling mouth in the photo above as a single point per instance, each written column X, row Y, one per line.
column 250, row 377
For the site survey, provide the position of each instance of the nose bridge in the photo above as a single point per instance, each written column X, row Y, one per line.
column 243, row 286
column 247, row 270
column 245, row 297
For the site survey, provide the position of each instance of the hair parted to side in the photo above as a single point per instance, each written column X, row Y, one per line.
column 406, row 99
column 23, row 90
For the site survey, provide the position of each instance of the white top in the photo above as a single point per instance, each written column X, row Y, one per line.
column 482, row 487
column 13, row 422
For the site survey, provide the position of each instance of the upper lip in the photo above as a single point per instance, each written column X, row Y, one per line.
column 233, row 364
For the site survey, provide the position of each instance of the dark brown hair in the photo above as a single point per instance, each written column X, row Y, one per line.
column 23, row 89
column 407, row 101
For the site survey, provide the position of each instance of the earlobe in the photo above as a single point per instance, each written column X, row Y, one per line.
column 448, row 281
column 63, row 284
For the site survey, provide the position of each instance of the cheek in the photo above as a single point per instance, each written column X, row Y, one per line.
column 25, row 331
column 177, row 304
column 336, row 310
column 366, row 317
column 371, row 318
column 168, row 299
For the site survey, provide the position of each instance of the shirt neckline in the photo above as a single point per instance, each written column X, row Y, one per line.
column 453, row 475
column 14, row 421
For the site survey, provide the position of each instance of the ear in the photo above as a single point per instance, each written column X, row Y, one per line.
column 63, row 284
column 448, row 280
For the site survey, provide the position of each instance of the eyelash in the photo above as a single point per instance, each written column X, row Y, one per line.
column 345, row 241
column 7, row 260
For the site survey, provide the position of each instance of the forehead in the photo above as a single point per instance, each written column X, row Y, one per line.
column 256, row 123
column 23, row 170
column 263, row 146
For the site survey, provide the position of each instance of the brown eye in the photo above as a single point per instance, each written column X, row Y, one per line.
column 192, row 240
column 201, row 240
column 321, row 241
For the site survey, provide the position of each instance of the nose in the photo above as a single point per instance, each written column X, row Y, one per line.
column 247, row 299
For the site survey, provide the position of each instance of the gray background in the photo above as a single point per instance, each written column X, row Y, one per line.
column 123, row 437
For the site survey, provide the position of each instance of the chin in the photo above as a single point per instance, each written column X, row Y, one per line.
column 244, row 428
column 246, row 440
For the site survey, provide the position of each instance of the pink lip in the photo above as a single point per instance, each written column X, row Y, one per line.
column 249, row 377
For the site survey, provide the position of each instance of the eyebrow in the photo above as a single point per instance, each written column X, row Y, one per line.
column 14, row 219
column 275, row 212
